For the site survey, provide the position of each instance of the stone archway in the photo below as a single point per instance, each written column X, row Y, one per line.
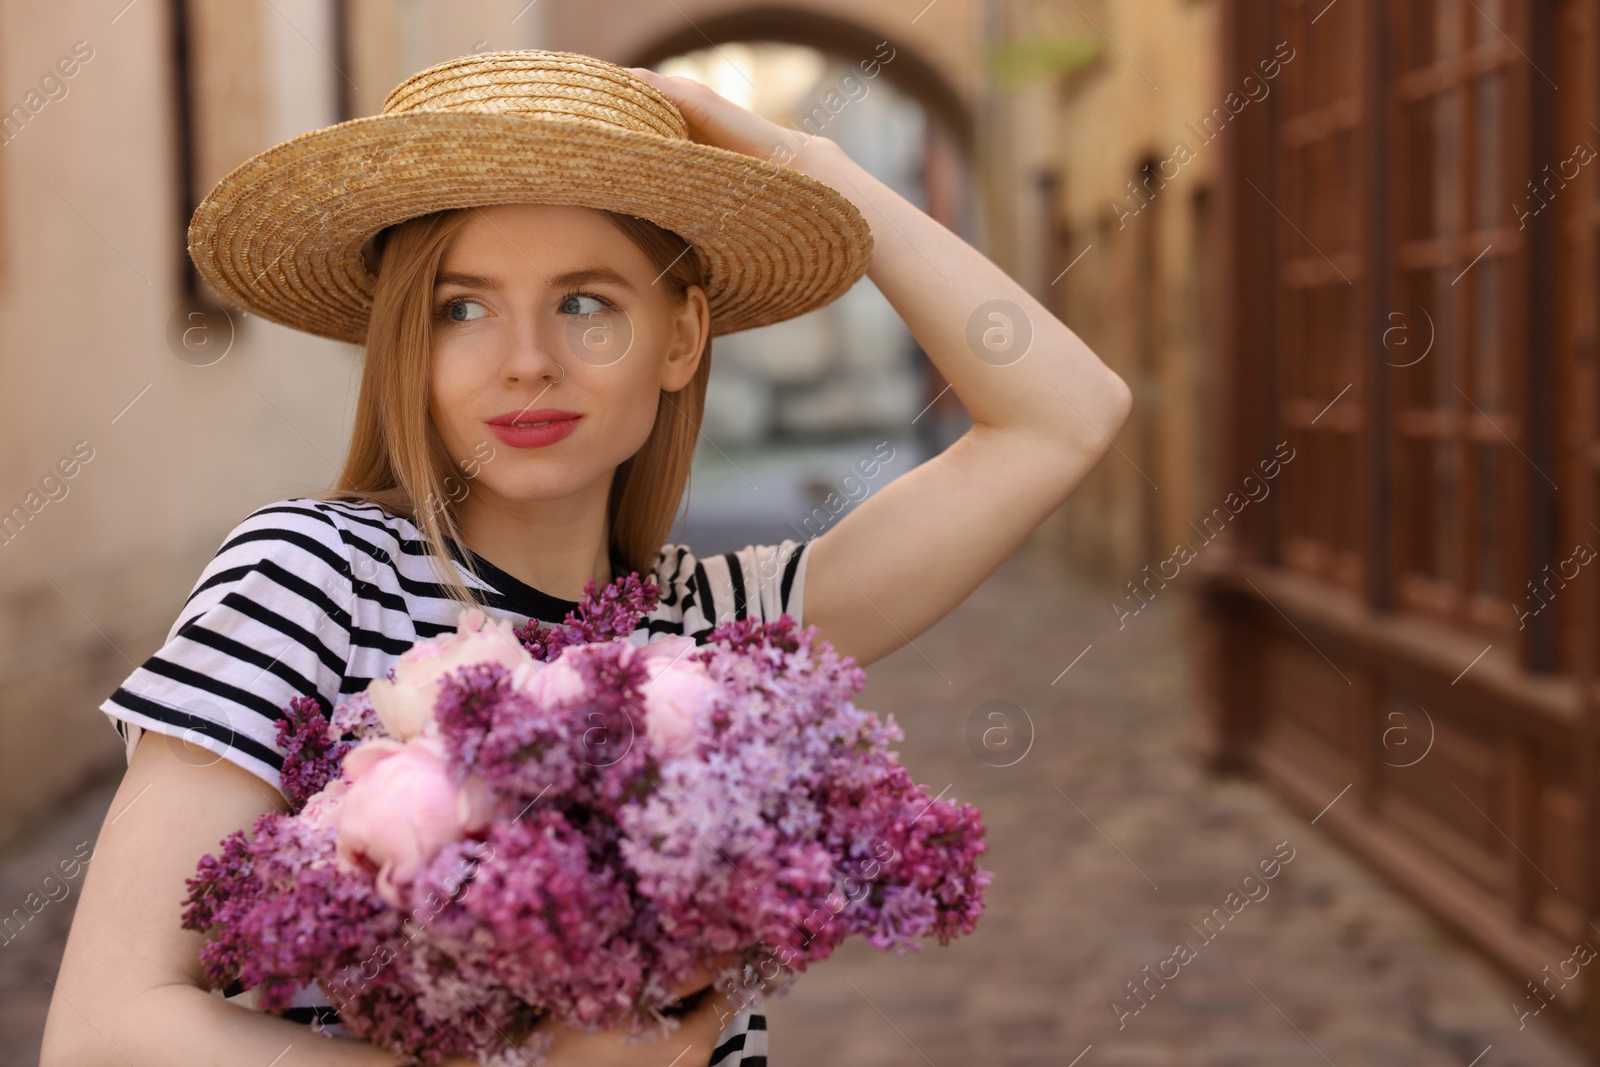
column 926, row 67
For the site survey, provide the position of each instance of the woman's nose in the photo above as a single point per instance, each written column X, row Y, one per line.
column 534, row 353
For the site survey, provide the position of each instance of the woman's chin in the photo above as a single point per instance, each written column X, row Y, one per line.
column 557, row 481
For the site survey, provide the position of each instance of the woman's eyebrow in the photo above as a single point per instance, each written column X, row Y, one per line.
column 471, row 281
column 592, row 274
column 564, row 279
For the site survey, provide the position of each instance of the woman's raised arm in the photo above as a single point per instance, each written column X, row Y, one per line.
column 1044, row 410
column 1044, row 407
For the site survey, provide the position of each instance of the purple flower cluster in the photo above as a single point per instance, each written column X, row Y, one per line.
column 646, row 815
column 311, row 753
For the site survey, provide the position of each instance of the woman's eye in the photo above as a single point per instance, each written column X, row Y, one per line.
column 457, row 310
column 573, row 304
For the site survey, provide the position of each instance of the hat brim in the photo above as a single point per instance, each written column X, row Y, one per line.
column 281, row 235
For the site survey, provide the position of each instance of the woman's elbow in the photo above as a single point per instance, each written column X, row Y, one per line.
column 1096, row 418
column 1119, row 403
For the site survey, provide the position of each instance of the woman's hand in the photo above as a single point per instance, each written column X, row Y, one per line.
column 691, row 1043
column 717, row 121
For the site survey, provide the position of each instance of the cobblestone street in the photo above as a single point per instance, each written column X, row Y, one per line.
column 1108, row 847
column 1107, row 843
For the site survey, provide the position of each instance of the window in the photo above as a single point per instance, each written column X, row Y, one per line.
column 1403, row 371
column 1319, row 204
column 222, row 92
column 1458, row 89
column 218, row 84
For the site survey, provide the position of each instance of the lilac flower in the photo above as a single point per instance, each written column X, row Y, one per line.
column 611, row 614
column 312, row 755
column 769, row 817
column 355, row 719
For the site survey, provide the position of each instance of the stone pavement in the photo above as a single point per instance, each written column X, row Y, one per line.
column 1109, row 848
column 1107, row 843
column 30, row 950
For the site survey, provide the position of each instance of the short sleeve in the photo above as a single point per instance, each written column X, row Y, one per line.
column 269, row 619
column 773, row 578
column 757, row 581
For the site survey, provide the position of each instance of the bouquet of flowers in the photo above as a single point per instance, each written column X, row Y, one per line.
column 522, row 822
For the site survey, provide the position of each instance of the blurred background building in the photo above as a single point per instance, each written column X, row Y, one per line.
column 1344, row 253
column 1405, row 269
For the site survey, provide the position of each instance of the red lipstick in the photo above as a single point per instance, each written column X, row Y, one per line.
column 534, row 428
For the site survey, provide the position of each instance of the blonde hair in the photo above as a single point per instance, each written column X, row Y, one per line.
column 397, row 458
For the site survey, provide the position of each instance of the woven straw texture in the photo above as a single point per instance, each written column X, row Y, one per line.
column 281, row 235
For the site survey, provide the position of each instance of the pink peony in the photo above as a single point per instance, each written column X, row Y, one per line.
column 678, row 696
column 672, row 647
column 400, row 807
column 405, row 705
column 322, row 810
column 549, row 683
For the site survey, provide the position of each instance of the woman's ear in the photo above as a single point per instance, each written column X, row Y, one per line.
column 691, row 327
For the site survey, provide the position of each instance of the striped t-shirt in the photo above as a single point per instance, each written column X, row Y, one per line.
column 318, row 598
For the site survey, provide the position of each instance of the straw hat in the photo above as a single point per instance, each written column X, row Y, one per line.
column 282, row 235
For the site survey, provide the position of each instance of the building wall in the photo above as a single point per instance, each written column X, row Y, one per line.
column 1404, row 623
column 1130, row 250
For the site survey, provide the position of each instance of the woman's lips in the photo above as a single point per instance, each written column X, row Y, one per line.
column 535, row 436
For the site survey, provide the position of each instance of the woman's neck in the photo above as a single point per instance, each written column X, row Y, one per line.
column 554, row 546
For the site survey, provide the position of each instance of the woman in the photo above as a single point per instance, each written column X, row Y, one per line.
column 554, row 244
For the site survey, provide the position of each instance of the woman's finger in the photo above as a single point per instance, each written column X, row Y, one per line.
column 705, row 973
column 714, row 120
column 698, row 108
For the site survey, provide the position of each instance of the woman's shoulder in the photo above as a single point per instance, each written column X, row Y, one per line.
column 291, row 547
column 300, row 541
column 329, row 528
column 317, row 513
column 303, row 521
column 272, row 616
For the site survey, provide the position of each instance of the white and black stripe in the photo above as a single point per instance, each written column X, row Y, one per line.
column 318, row 598
column 743, row 1041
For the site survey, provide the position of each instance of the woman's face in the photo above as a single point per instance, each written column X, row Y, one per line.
column 546, row 312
